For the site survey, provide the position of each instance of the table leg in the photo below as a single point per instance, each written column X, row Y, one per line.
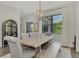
column 36, row 53
column 39, row 51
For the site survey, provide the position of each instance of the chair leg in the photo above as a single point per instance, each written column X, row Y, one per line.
column 60, row 50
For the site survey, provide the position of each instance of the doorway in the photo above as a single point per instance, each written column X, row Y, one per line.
column 9, row 28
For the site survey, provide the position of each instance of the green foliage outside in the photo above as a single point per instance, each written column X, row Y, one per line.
column 57, row 27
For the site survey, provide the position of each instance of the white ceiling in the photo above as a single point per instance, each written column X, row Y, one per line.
column 27, row 7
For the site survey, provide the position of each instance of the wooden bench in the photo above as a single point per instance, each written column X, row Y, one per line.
column 51, row 51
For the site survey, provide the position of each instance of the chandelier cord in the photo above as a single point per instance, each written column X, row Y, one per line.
column 39, row 4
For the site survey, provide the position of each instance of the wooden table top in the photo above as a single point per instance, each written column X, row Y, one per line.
column 36, row 42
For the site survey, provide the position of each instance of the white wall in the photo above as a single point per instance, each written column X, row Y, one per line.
column 69, row 24
column 77, row 27
column 26, row 18
column 23, row 24
column 8, row 13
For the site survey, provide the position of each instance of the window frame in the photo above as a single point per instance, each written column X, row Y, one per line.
column 52, row 23
column 43, row 28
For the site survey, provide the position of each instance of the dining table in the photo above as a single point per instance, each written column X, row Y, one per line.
column 36, row 42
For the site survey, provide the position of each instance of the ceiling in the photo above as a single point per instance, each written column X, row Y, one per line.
column 27, row 7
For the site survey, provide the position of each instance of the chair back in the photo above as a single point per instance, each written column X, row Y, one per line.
column 15, row 47
column 48, row 33
column 34, row 34
column 25, row 35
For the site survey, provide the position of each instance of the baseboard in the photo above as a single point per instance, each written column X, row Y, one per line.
column 67, row 46
column 0, row 45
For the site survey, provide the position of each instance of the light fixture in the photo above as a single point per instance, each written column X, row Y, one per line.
column 39, row 12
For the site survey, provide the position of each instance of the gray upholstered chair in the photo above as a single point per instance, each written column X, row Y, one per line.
column 16, row 49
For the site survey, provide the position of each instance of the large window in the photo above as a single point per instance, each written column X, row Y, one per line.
column 52, row 23
column 56, row 24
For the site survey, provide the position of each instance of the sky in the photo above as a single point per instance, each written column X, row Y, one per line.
column 57, row 18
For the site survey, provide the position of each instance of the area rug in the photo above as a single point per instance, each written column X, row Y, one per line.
column 65, row 53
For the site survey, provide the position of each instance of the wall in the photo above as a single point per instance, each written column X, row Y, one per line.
column 23, row 24
column 77, row 27
column 24, row 19
column 8, row 13
column 69, row 24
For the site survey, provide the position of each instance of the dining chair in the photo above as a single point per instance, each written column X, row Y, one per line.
column 24, row 35
column 48, row 33
column 16, row 49
column 34, row 34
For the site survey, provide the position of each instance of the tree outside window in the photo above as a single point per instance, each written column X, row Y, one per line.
column 56, row 23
